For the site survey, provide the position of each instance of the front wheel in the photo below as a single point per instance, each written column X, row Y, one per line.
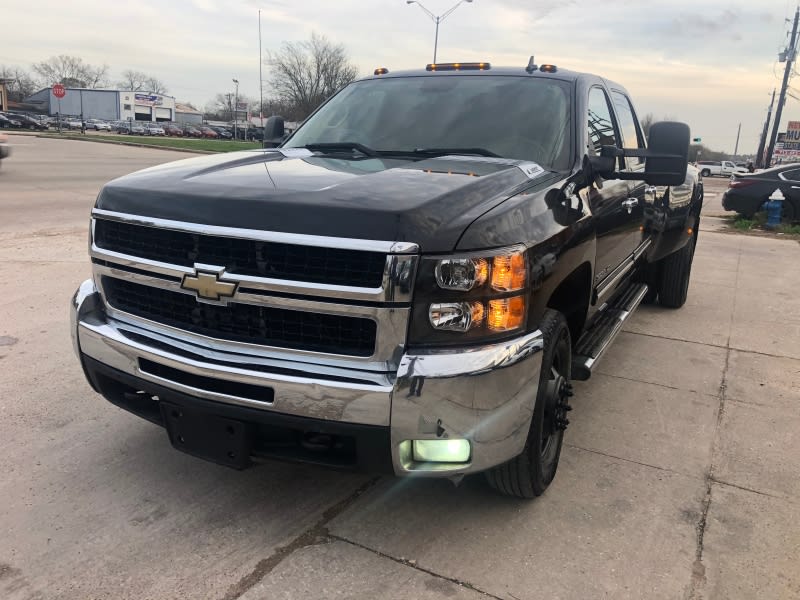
column 529, row 474
column 705, row 173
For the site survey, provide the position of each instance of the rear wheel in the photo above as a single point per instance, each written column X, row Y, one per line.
column 705, row 173
column 675, row 271
column 529, row 474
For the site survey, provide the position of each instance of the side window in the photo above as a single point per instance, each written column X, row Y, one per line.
column 628, row 126
column 601, row 123
column 792, row 175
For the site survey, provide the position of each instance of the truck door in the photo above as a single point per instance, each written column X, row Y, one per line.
column 639, row 193
column 611, row 207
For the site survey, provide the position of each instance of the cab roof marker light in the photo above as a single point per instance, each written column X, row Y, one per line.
column 381, row 71
column 548, row 69
column 479, row 66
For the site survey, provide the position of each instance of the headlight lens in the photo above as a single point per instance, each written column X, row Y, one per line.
column 462, row 274
column 470, row 298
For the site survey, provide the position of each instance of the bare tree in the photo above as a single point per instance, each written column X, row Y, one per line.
column 305, row 74
column 155, row 86
column 20, row 83
column 71, row 71
column 132, row 80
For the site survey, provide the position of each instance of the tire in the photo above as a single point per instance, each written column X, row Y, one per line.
column 674, row 273
column 705, row 173
column 528, row 474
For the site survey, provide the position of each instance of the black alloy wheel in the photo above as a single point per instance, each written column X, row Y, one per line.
column 530, row 473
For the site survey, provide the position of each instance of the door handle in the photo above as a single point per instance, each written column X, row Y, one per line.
column 630, row 204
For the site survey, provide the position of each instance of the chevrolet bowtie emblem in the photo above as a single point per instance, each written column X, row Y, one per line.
column 208, row 286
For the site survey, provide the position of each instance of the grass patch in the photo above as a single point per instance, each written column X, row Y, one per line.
column 789, row 229
column 165, row 142
column 743, row 224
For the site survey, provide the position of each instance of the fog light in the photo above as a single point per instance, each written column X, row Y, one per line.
column 441, row 451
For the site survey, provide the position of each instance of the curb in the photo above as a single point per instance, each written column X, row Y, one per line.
column 132, row 144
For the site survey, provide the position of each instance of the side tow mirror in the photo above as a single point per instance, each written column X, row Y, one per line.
column 667, row 153
column 273, row 129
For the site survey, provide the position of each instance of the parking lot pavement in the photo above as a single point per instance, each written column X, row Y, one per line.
column 678, row 478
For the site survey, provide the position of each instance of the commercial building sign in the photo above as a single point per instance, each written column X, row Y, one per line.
column 148, row 100
column 791, row 140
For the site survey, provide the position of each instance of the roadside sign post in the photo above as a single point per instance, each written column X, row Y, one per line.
column 59, row 92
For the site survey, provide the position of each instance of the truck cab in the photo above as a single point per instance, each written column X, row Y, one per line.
column 407, row 285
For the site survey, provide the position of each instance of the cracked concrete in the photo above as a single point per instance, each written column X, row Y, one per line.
column 678, row 476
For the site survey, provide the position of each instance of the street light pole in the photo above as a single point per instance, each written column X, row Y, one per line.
column 235, row 108
column 437, row 19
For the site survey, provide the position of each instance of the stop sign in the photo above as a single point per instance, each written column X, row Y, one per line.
column 59, row 91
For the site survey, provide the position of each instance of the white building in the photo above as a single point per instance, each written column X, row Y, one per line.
column 109, row 105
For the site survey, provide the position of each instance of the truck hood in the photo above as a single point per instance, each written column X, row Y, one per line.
column 429, row 202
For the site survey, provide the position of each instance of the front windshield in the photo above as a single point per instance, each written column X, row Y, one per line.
column 515, row 117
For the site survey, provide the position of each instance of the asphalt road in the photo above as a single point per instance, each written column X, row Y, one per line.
column 679, row 476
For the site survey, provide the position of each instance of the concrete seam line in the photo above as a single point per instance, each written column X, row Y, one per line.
column 751, row 490
column 316, row 534
column 415, row 566
column 628, row 460
column 698, row 577
column 655, row 383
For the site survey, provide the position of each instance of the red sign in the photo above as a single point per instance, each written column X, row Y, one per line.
column 59, row 91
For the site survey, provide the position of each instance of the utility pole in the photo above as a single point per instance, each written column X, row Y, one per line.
column 260, row 83
column 764, row 133
column 736, row 149
column 790, row 55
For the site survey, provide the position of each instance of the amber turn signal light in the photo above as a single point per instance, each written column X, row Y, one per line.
column 506, row 314
column 508, row 272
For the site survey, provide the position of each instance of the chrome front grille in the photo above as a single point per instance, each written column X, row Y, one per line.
column 298, row 297
column 250, row 323
column 257, row 258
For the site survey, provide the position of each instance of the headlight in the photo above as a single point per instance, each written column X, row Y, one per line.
column 469, row 298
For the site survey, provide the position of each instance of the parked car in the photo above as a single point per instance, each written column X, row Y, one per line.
column 223, row 133
column 154, row 129
column 747, row 192
column 74, row 123
column 5, row 148
column 27, row 121
column 97, row 125
column 173, row 130
column 190, row 131
column 9, row 123
column 131, row 129
column 207, row 132
column 724, row 168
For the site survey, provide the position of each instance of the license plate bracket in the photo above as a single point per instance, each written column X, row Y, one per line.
column 208, row 436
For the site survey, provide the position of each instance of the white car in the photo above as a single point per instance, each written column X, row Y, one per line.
column 154, row 130
column 73, row 123
column 97, row 125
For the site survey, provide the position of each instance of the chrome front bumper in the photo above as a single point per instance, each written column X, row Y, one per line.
column 485, row 394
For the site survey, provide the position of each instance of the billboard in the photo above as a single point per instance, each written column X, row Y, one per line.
column 148, row 100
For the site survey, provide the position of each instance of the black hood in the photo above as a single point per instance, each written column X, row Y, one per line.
column 430, row 202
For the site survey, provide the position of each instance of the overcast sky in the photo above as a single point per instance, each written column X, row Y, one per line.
column 712, row 63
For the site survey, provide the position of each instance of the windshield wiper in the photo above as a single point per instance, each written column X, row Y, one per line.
column 446, row 151
column 338, row 146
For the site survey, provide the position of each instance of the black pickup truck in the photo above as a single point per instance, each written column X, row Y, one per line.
column 408, row 284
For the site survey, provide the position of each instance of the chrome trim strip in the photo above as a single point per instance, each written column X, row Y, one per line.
column 392, row 322
column 621, row 316
column 297, row 239
column 398, row 278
